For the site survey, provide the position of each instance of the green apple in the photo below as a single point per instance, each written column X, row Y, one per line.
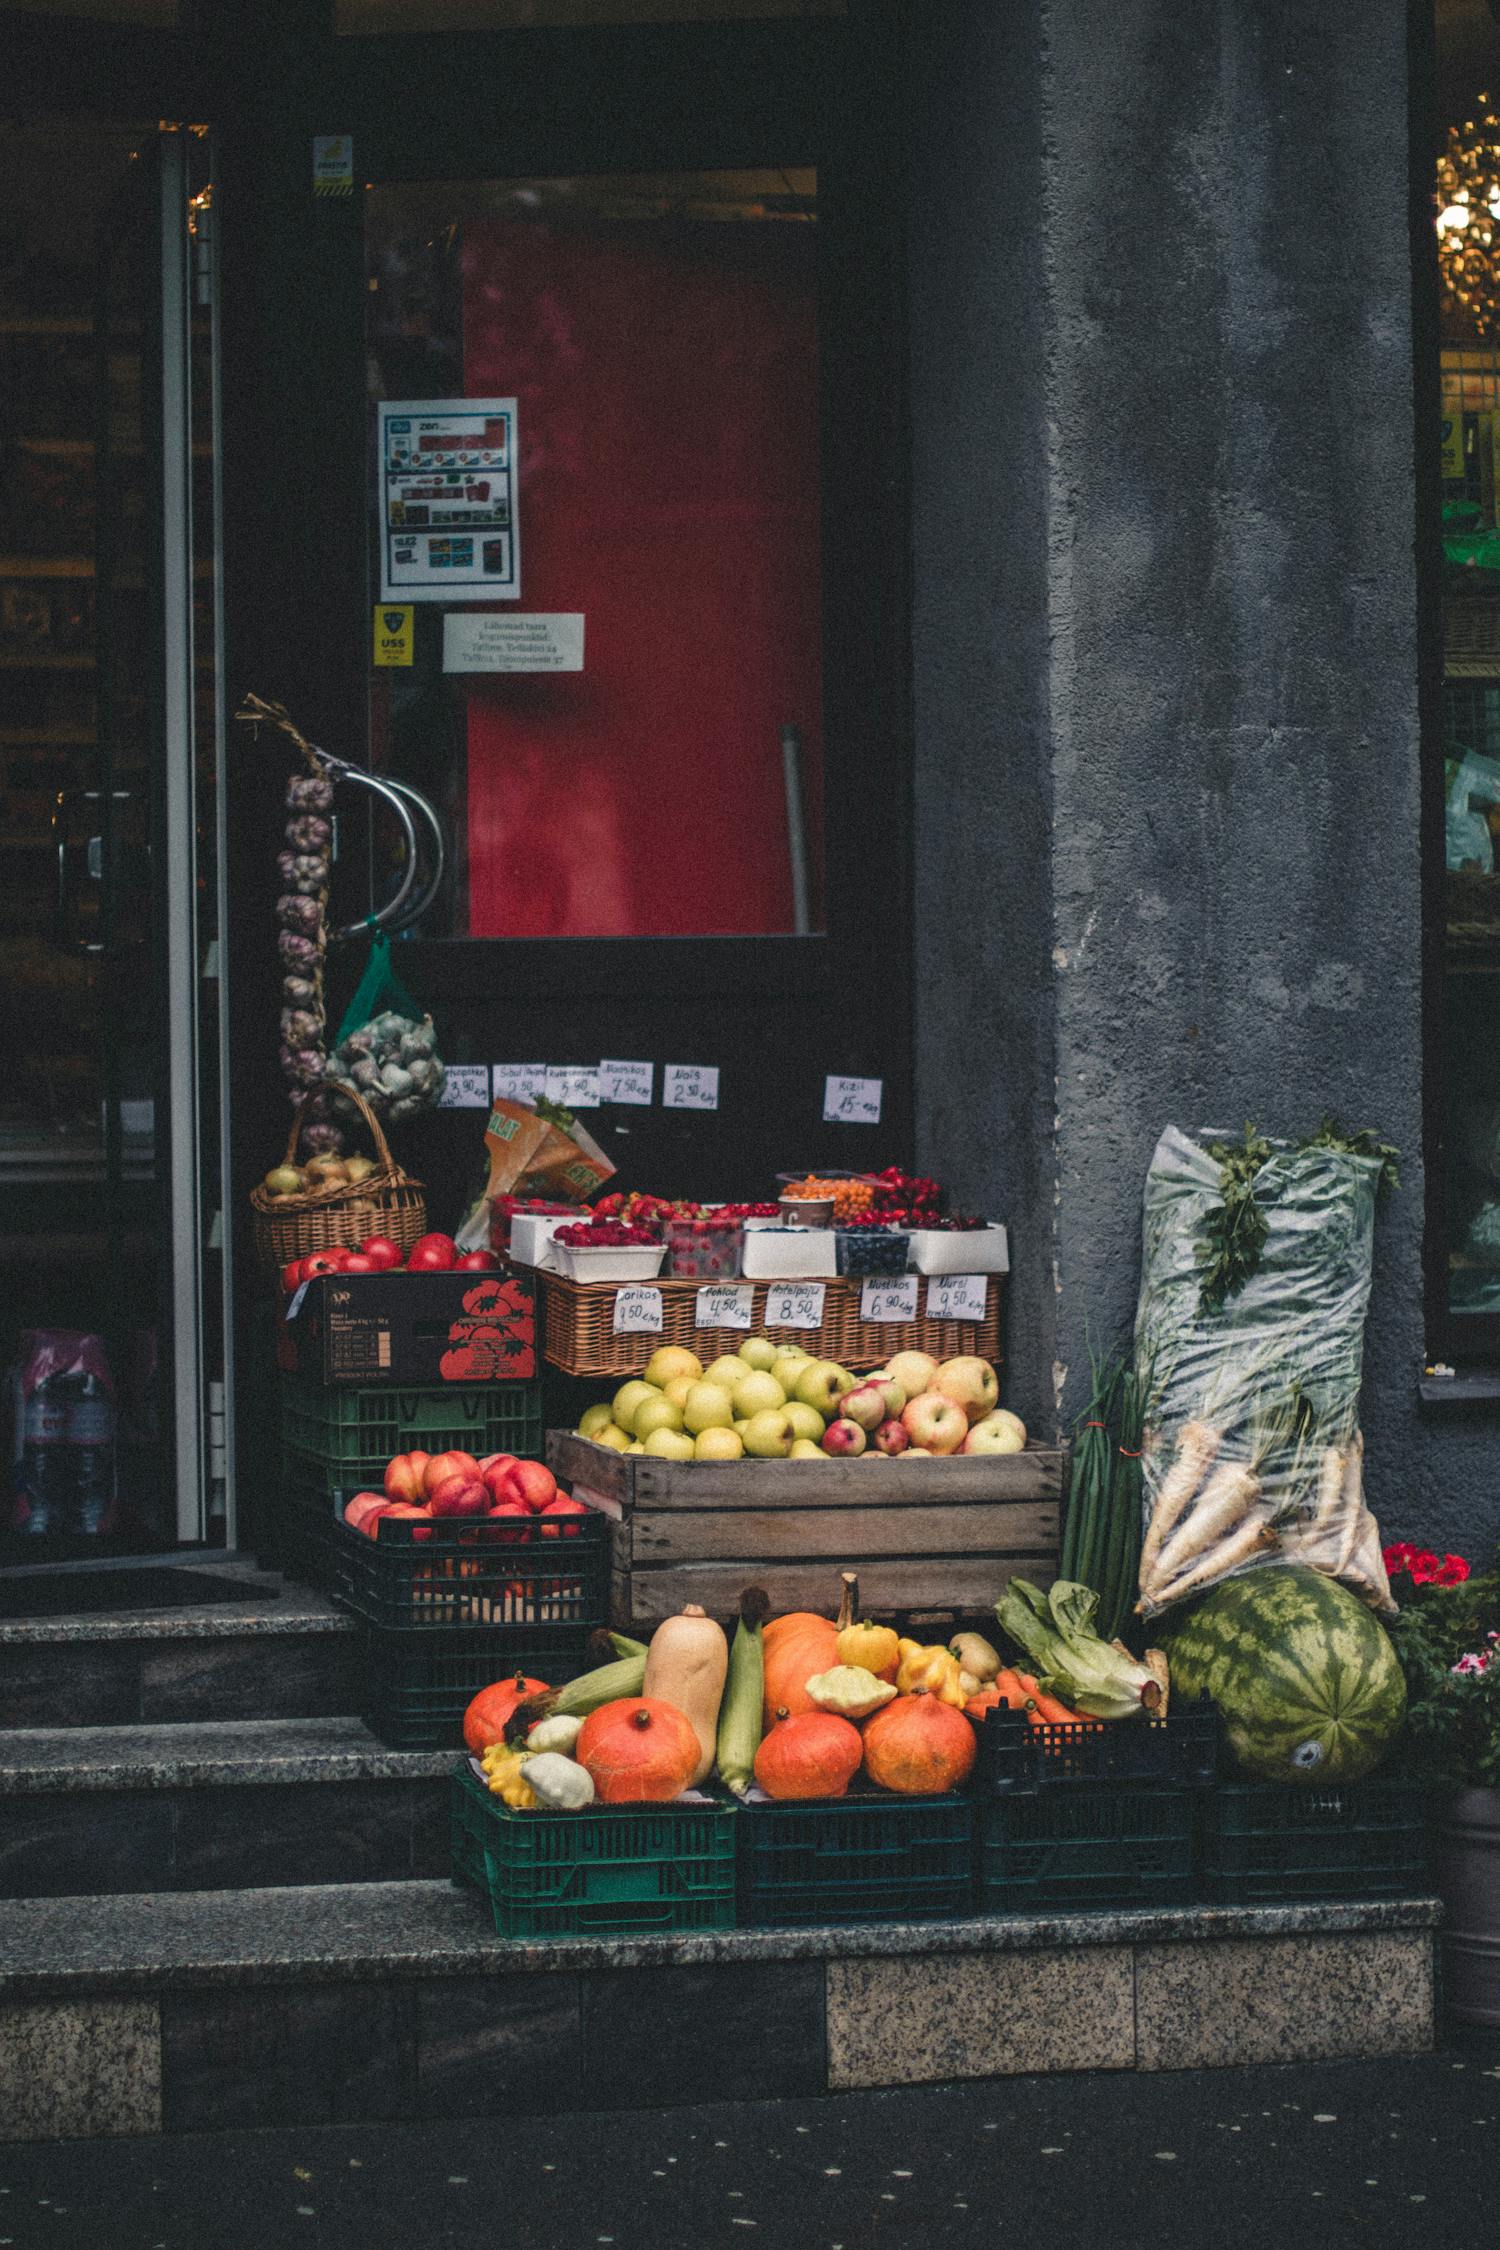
column 616, row 1439
column 823, row 1384
column 657, row 1414
column 677, row 1390
column 628, row 1397
column 669, row 1361
column 759, row 1351
column 769, row 1436
column 718, row 1445
column 726, row 1372
column 707, row 1407
column 635, row 1446
column 805, row 1419
column 594, row 1419
column 756, row 1393
column 669, row 1445
column 895, row 1393
column 790, row 1361
column 741, row 1424
column 803, row 1449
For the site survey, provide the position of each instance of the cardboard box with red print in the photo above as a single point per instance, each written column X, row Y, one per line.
column 411, row 1328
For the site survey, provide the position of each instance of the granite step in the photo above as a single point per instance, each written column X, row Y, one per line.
column 215, row 1807
column 287, row 1653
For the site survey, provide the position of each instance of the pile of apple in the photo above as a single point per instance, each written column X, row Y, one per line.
column 430, row 1253
column 776, row 1402
column 502, row 1489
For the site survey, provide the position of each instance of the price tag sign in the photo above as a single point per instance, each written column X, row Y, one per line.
column 689, row 1086
column 631, row 1082
column 575, row 1085
column 637, row 1312
column 893, row 1297
column 720, row 1307
column 465, row 1086
column 519, row 1082
column 298, row 1294
column 794, row 1304
column 956, row 1296
column 852, row 1101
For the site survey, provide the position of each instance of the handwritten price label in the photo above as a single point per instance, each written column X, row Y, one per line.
column 895, row 1299
column 719, row 1307
column 465, row 1086
column 631, row 1082
column 956, row 1296
column 852, row 1101
column 795, row 1304
column 575, row 1085
column 519, row 1082
column 637, row 1312
column 690, row 1086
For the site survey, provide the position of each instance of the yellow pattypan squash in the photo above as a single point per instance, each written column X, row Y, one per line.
column 850, row 1690
column 506, row 1779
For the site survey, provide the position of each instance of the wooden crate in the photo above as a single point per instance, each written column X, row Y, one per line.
column 580, row 1339
column 922, row 1535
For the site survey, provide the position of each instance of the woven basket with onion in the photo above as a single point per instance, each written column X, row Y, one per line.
column 336, row 1200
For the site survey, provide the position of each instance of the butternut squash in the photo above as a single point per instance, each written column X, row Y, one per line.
column 686, row 1665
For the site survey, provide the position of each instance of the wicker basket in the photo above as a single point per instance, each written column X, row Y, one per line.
column 291, row 1226
column 580, row 1337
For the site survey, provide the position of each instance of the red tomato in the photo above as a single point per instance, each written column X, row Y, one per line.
column 291, row 1275
column 358, row 1261
column 477, row 1261
column 434, row 1253
column 382, row 1252
column 321, row 1261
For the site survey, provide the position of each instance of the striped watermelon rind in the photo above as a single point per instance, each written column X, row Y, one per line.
column 1305, row 1677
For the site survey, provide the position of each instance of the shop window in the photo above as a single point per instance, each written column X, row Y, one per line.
column 596, row 546
column 362, row 17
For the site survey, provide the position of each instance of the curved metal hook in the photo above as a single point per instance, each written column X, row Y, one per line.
column 384, row 916
column 414, row 911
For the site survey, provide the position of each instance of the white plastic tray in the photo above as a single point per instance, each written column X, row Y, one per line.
column 940, row 1250
column 627, row 1263
column 790, row 1254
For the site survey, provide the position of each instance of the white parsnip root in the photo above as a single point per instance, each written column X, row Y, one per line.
column 1197, row 1444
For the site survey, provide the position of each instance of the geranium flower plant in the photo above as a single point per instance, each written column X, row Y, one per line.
column 1448, row 1640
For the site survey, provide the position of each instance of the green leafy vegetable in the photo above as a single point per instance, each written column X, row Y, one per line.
column 1056, row 1630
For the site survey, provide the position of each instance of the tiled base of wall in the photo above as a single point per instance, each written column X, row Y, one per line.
column 200, row 2055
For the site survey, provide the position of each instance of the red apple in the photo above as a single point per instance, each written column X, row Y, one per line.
column 358, row 1511
column 477, row 1261
column 404, row 1475
column 431, row 1253
column 440, row 1465
column 385, row 1253
column 866, row 1404
column 563, row 1505
column 891, row 1437
column 458, row 1494
column 844, row 1439
column 971, row 1383
column 935, row 1424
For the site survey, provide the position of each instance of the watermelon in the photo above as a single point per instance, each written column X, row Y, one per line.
column 1305, row 1677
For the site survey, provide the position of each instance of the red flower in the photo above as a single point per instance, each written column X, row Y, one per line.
column 1452, row 1571
column 1397, row 1559
column 1425, row 1567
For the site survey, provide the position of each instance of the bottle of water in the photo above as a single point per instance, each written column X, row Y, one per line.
column 91, row 1449
column 64, row 1483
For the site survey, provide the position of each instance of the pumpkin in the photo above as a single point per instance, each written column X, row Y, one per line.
column 639, row 1750
column 809, row 1754
column 796, row 1646
column 484, row 1721
column 871, row 1648
column 919, row 1746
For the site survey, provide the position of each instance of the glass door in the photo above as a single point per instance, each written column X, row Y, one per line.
column 111, row 1274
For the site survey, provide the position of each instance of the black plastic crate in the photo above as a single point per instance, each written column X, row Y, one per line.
column 607, row 1871
column 1262, row 1842
column 418, row 1685
column 302, row 1526
column 1085, row 1844
column 856, row 1859
column 513, row 1573
column 1014, row 1754
column 354, row 1433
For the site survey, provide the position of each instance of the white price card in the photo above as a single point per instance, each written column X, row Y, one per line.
column 718, row 1306
column 637, row 1312
column 689, row 1086
column 574, row 1085
column 794, row 1304
column 519, row 1082
column 889, row 1297
column 956, row 1296
column 632, row 1082
column 852, row 1101
column 465, row 1086
column 298, row 1294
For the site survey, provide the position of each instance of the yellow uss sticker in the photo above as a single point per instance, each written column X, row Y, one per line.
column 393, row 635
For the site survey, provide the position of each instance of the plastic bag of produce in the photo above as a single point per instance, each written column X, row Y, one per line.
column 386, row 1046
column 533, row 1149
column 1255, row 1280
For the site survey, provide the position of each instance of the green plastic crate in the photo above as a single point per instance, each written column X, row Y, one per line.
column 1262, row 1842
column 608, row 1871
column 1084, row 1844
column 856, row 1859
column 355, row 1432
column 418, row 1685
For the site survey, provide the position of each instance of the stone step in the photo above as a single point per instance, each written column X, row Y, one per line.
column 286, row 1653
column 216, row 1807
column 347, row 2003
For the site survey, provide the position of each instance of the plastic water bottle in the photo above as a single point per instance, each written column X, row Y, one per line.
column 42, row 1478
column 90, row 1446
column 64, row 1484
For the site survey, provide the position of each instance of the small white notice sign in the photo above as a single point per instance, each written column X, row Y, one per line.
column 889, row 1297
column 794, row 1304
column 465, row 1086
column 479, row 641
column 690, row 1086
column 637, row 1312
column 573, row 1085
column 852, row 1101
column 519, row 1082
column 632, row 1082
column 956, row 1296
column 718, row 1306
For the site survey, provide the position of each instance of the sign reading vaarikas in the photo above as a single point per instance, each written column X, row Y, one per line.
column 448, row 499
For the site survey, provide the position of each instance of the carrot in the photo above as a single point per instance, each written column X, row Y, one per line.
column 1052, row 1713
column 1197, row 1444
column 1009, row 1687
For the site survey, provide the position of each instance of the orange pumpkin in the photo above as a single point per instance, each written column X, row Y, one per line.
column 815, row 1754
column 484, row 1721
column 796, row 1648
column 639, row 1750
column 919, row 1746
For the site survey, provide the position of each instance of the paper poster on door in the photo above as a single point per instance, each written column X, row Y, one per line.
column 448, row 499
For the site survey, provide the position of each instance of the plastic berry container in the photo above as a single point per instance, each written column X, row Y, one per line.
column 704, row 1249
column 872, row 1250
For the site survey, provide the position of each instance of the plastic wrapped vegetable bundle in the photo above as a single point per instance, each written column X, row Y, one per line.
column 1255, row 1281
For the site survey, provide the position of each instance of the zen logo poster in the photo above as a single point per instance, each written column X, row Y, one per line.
column 448, row 525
